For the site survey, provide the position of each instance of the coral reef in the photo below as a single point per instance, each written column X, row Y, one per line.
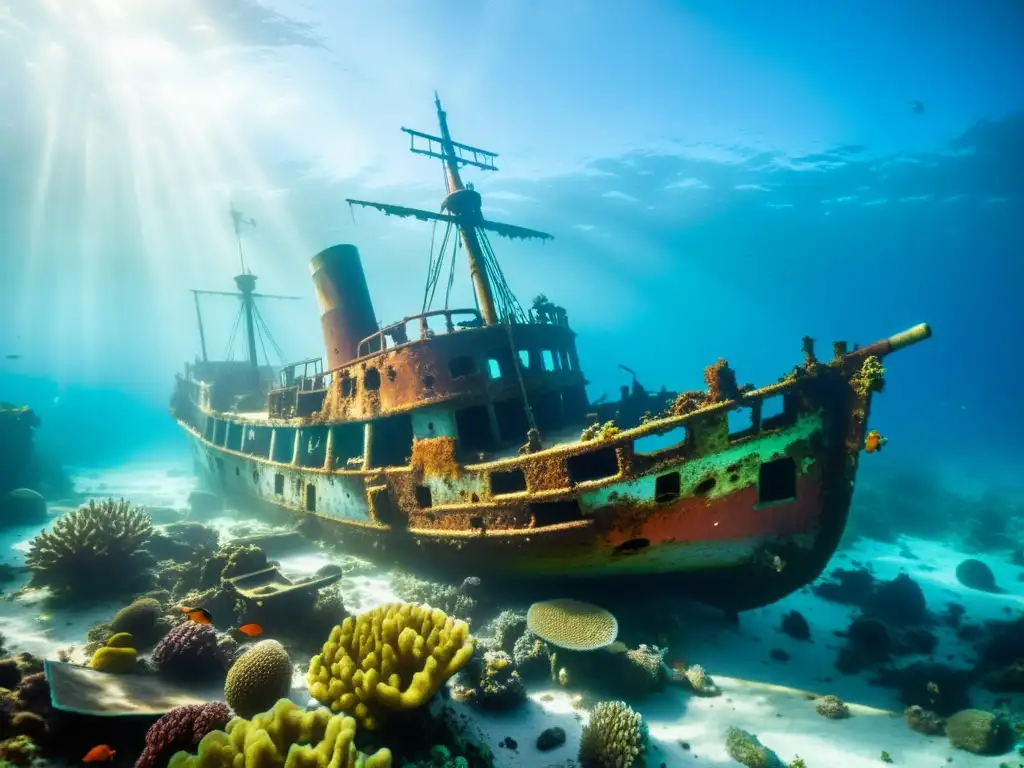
column 117, row 657
column 143, row 620
column 25, row 728
column 614, row 737
column 924, row 721
column 284, row 737
column 453, row 600
column 93, row 551
column 745, row 749
column 505, row 630
column 532, row 656
column 181, row 730
column 190, row 651
column 980, row 732
column 232, row 560
column 394, row 657
column 831, row 707
column 700, row 681
column 490, row 681
column 258, row 678
column 573, row 625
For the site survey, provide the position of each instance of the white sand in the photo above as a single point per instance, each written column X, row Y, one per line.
column 737, row 657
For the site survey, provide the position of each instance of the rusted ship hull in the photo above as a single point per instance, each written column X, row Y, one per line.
column 463, row 442
column 734, row 520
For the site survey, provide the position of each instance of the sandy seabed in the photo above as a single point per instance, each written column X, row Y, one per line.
column 759, row 694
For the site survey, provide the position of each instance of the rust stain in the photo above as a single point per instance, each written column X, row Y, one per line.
column 435, row 457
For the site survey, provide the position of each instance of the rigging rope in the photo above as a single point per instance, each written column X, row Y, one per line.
column 229, row 353
column 519, row 373
column 270, row 337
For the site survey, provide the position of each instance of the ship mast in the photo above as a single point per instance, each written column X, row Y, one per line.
column 462, row 208
column 246, row 282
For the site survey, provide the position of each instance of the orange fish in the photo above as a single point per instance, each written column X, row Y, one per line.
column 252, row 630
column 874, row 441
column 198, row 615
column 99, row 754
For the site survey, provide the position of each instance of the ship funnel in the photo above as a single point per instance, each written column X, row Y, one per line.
column 346, row 309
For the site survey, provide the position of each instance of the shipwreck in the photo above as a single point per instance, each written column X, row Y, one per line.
column 461, row 441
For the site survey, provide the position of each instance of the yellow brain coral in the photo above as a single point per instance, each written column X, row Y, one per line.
column 394, row 657
column 284, row 737
column 572, row 624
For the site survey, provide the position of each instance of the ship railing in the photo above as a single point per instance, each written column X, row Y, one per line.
column 427, row 325
column 310, row 378
column 659, row 441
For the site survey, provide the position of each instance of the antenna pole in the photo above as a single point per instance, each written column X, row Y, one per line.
column 465, row 205
column 199, row 319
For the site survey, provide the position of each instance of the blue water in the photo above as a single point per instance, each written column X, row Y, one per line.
column 719, row 183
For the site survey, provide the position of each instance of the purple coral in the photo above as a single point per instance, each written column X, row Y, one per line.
column 189, row 650
column 180, row 730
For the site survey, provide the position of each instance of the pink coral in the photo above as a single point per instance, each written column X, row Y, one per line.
column 181, row 729
column 190, row 650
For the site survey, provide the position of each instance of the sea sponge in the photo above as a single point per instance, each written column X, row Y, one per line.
column 260, row 676
column 93, row 550
column 284, row 737
column 870, row 377
column 394, row 657
column 181, row 729
column 614, row 736
column 141, row 619
column 117, row 657
column 121, row 640
column 189, row 651
column 831, row 707
column 980, row 732
column 572, row 624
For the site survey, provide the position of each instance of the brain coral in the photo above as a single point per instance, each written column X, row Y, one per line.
column 394, row 657
column 284, row 737
column 261, row 676
column 572, row 624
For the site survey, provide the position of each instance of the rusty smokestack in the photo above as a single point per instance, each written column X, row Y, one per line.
column 346, row 309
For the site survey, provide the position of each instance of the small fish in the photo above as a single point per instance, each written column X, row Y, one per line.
column 778, row 564
column 198, row 615
column 917, row 107
column 99, row 754
column 874, row 441
column 617, row 647
column 933, row 689
column 13, row 357
column 252, row 630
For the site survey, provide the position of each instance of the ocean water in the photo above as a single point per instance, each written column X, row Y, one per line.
column 719, row 182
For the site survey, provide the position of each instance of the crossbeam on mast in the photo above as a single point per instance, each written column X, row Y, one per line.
column 481, row 158
column 504, row 230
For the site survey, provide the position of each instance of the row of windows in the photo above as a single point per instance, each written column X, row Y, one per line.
column 529, row 360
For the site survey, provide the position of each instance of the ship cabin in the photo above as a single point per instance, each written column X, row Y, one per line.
column 436, row 374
